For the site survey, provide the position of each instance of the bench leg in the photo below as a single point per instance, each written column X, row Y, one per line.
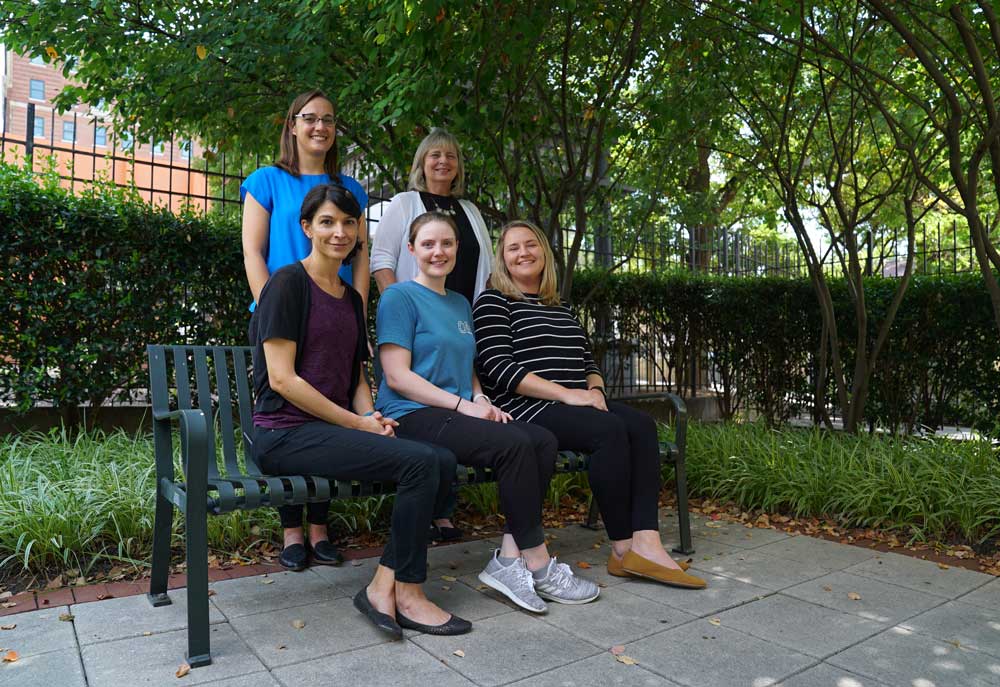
column 162, row 519
column 196, row 524
column 592, row 515
column 683, row 517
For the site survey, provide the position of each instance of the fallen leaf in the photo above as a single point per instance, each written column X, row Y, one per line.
column 212, row 592
column 202, row 54
column 358, row 563
column 66, row 617
column 147, row 633
column 55, row 582
column 449, row 578
column 282, row 647
column 445, row 588
column 459, row 653
column 944, row 566
column 267, row 581
column 715, row 525
column 182, row 670
column 8, row 627
column 6, row 595
column 618, row 650
column 827, row 588
column 102, row 597
column 482, row 588
column 298, row 624
column 853, row 596
column 8, row 604
column 715, row 621
column 80, row 581
column 596, row 546
column 955, row 643
column 583, row 564
column 11, row 656
column 627, row 660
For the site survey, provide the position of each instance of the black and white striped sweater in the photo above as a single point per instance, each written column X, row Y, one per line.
column 516, row 337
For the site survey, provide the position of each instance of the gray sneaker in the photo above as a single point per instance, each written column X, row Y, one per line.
column 562, row 586
column 514, row 582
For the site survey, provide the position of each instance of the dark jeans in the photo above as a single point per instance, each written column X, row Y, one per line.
column 422, row 473
column 522, row 455
column 624, row 466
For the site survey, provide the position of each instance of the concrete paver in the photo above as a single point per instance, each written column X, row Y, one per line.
column 776, row 612
column 902, row 658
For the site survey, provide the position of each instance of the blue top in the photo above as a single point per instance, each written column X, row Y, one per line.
column 281, row 194
column 437, row 330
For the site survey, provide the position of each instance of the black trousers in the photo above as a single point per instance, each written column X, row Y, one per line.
column 624, row 466
column 523, row 456
column 423, row 476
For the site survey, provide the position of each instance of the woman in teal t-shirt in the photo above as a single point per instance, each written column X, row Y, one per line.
column 272, row 196
column 427, row 347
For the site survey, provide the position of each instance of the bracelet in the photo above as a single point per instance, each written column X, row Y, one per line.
column 460, row 399
column 484, row 396
column 599, row 388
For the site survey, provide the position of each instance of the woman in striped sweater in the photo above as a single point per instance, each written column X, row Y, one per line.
column 536, row 364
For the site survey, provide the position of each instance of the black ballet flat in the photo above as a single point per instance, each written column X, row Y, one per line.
column 325, row 553
column 454, row 625
column 446, row 533
column 380, row 620
column 294, row 558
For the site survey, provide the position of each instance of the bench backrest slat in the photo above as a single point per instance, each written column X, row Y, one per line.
column 204, row 384
column 242, row 371
column 223, row 385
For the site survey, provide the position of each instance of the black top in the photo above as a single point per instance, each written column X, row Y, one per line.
column 283, row 313
column 463, row 278
column 516, row 337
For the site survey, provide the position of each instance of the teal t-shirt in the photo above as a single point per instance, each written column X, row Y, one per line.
column 437, row 330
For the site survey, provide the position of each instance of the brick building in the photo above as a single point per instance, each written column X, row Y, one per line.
column 83, row 142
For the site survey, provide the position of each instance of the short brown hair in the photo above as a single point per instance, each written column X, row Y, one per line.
column 288, row 158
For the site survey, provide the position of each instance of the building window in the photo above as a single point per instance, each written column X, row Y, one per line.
column 39, row 127
column 157, row 147
column 36, row 89
column 101, row 136
column 38, row 59
column 125, row 141
column 69, row 132
column 186, row 150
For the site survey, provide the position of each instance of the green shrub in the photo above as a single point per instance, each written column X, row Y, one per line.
column 922, row 487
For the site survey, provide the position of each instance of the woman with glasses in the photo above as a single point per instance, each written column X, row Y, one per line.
column 272, row 238
column 437, row 181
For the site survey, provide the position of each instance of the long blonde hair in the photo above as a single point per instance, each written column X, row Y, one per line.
column 439, row 138
column 548, row 292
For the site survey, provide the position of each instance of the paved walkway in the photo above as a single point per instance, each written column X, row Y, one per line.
column 780, row 610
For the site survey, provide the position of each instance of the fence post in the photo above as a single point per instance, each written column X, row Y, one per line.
column 29, row 138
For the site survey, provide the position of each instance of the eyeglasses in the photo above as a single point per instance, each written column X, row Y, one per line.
column 311, row 119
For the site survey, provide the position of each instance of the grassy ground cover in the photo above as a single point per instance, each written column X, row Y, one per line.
column 85, row 502
column 924, row 488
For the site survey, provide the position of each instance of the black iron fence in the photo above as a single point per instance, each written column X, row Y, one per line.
column 181, row 174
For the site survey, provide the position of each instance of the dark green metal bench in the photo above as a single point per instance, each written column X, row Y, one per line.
column 205, row 391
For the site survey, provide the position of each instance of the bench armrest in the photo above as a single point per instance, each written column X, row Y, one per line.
column 194, row 443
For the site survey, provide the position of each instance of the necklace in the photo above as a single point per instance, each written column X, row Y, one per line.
column 444, row 210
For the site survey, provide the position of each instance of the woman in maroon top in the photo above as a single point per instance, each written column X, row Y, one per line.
column 313, row 415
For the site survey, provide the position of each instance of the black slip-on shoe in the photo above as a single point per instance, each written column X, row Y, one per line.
column 439, row 533
column 325, row 553
column 385, row 623
column 294, row 558
column 454, row 625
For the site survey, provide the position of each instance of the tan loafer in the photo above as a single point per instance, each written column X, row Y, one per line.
column 616, row 568
column 635, row 564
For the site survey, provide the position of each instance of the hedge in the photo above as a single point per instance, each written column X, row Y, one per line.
column 87, row 281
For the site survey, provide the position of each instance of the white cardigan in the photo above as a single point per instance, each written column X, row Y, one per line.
column 389, row 249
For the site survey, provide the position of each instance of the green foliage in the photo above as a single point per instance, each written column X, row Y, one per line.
column 759, row 337
column 87, row 281
column 923, row 488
